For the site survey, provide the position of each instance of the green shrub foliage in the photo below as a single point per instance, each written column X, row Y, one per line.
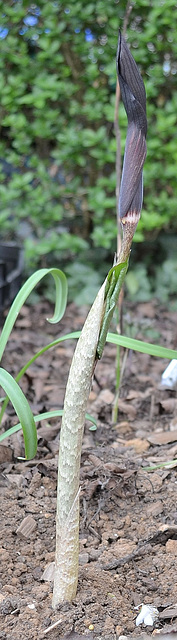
column 57, row 143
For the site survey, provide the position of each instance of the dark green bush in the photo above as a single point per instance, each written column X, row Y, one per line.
column 57, row 144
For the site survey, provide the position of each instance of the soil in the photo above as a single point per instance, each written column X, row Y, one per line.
column 128, row 520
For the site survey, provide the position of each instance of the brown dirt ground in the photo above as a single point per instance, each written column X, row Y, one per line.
column 128, row 523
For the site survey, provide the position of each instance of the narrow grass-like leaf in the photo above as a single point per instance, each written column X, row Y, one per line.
column 114, row 338
column 123, row 341
column 91, row 419
column 22, row 371
column 142, row 347
column 169, row 464
column 43, row 416
column 23, row 412
column 22, row 295
column 54, row 343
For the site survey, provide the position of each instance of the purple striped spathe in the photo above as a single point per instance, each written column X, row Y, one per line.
column 134, row 100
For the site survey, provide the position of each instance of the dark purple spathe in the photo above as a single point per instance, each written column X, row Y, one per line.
column 134, row 99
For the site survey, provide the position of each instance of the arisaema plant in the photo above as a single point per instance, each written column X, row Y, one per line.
column 91, row 341
column 93, row 336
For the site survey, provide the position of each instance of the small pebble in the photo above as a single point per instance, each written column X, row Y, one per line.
column 83, row 558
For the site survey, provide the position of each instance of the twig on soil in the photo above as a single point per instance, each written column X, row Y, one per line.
column 92, row 530
column 141, row 551
column 145, row 546
column 141, row 476
column 85, row 511
column 100, row 506
column 52, row 626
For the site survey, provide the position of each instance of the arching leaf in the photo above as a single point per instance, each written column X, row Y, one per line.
column 23, row 412
column 60, row 304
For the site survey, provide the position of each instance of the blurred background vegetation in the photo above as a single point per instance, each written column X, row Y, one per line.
column 58, row 144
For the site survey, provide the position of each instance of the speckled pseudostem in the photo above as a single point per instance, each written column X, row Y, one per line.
column 75, row 404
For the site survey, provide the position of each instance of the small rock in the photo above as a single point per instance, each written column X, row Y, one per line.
column 21, row 566
column 119, row 631
column 5, row 454
column 92, row 396
column 123, row 547
column 171, row 547
column 138, row 444
column 35, row 483
column 83, row 558
column 15, row 478
column 105, row 537
column 4, row 555
column 108, row 625
column 48, row 573
column 94, row 554
column 8, row 605
column 8, row 588
column 26, row 611
column 37, row 573
column 83, row 541
column 27, row 526
column 106, row 396
column 14, row 582
column 2, row 597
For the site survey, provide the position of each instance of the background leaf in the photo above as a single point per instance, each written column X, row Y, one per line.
column 58, row 147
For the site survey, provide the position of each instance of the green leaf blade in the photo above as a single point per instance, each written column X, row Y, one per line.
column 61, row 294
column 23, row 412
column 142, row 347
column 68, row 336
column 57, row 413
column 22, row 295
